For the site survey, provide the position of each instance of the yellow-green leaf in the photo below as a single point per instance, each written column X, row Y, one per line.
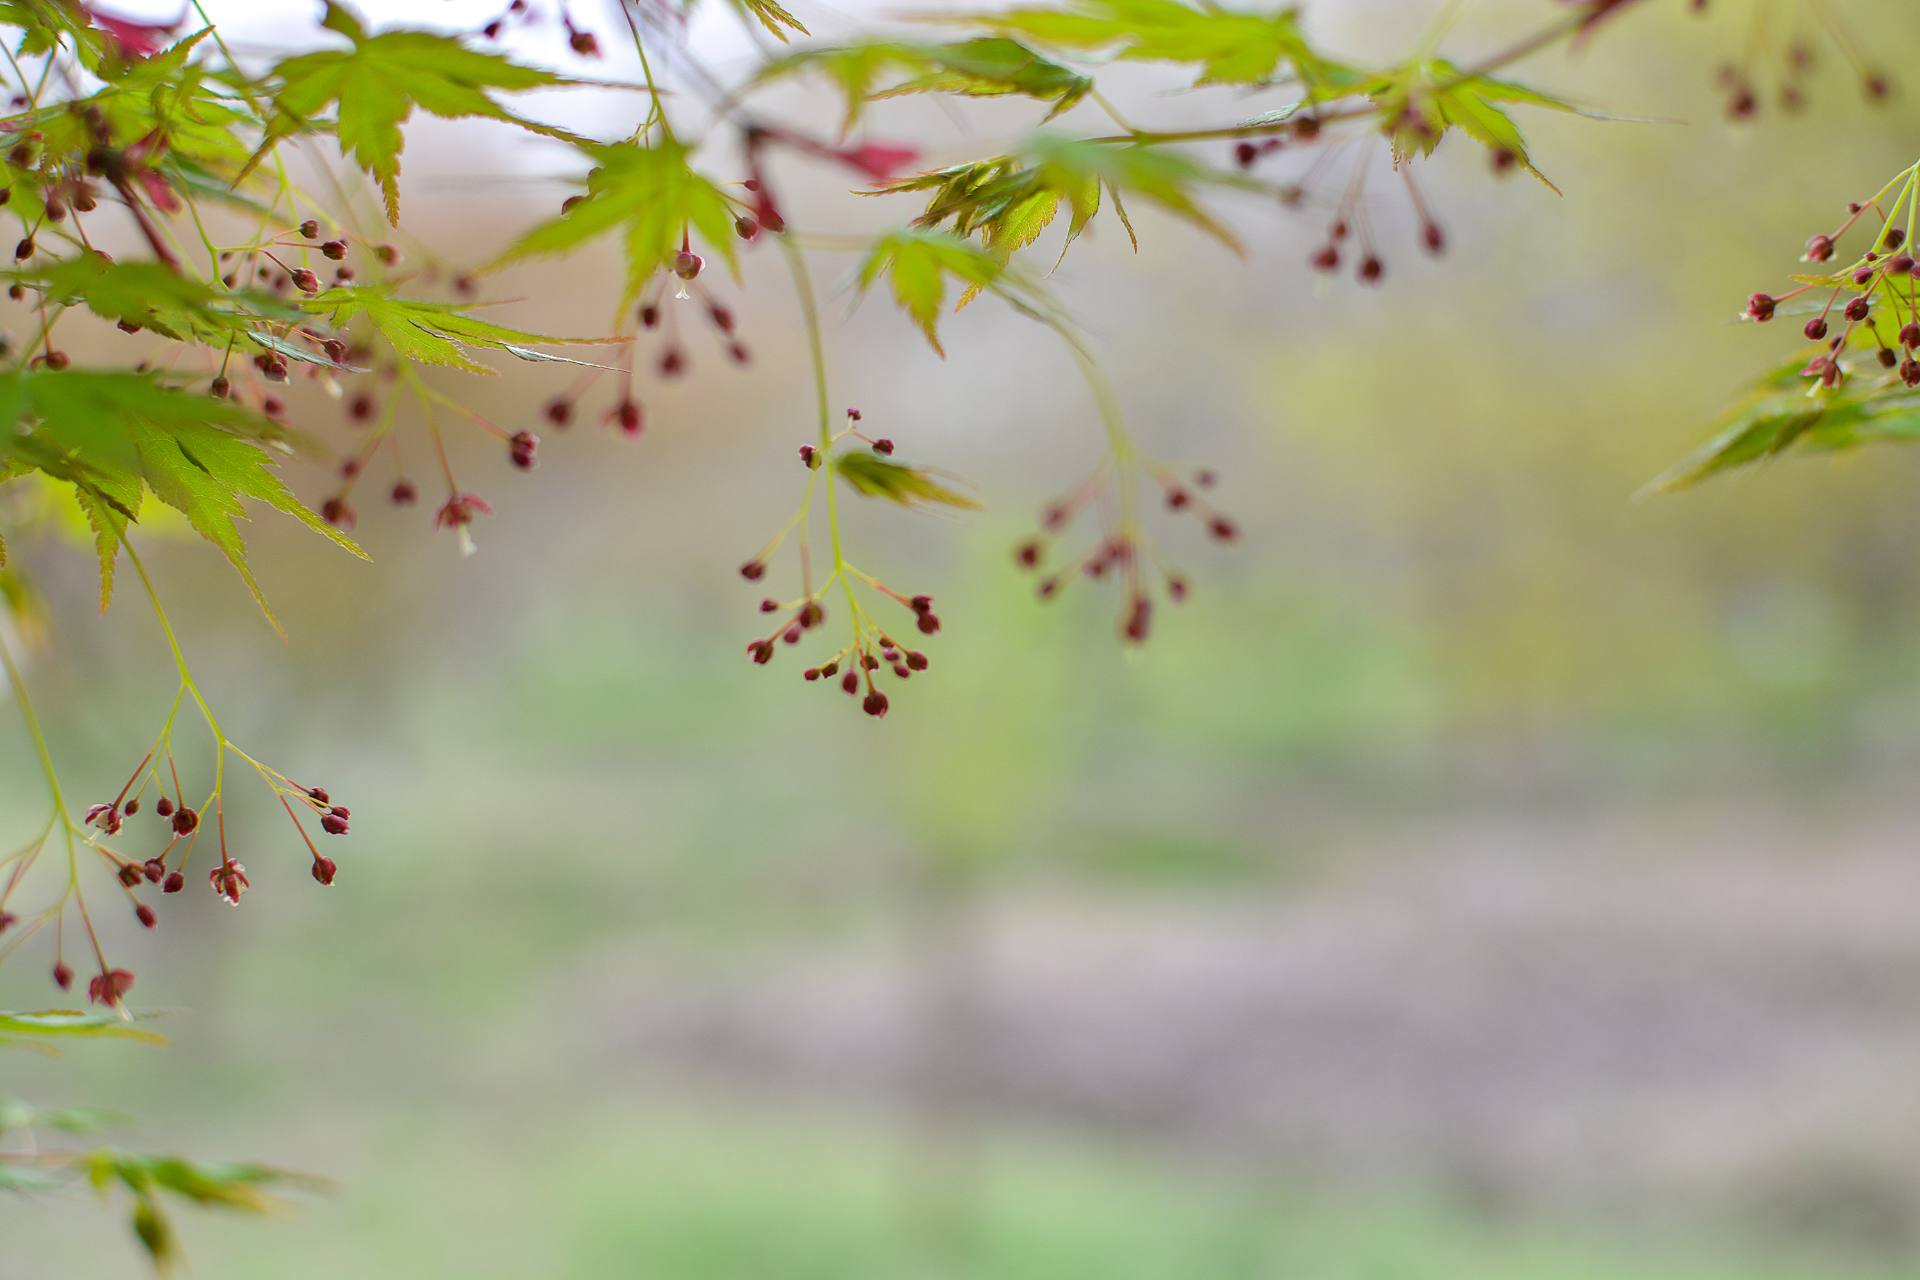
column 879, row 477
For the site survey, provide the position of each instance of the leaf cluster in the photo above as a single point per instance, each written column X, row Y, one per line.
column 117, row 437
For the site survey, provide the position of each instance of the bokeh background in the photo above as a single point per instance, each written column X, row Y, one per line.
column 1485, row 875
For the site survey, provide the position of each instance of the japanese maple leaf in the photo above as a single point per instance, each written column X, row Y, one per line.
column 375, row 86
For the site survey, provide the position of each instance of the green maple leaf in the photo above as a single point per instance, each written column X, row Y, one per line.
column 1165, row 178
column 990, row 66
column 231, row 1186
column 879, row 477
column 919, row 262
column 772, row 16
column 375, row 86
column 117, row 436
column 1787, row 409
column 428, row 332
column 653, row 197
column 1009, row 200
column 1775, row 423
column 1228, row 46
column 1421, row 101
column 65, row 1023
column 108, row 501
column 147, row 293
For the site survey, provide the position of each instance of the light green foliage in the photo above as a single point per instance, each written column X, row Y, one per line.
column 918, row 263
column 27, row 1029
column 1791, row 408
column 150, row 1179
column 1779, row 423
column 990, row 66
column 1165, row 178
column 1009, row 200
column 653, row 197
column 154, row 297
column 769, row 14
column 116, row 436
column 1225, row 46
column 1422, row 100
column 418, row 332
column 147, row 1178
column 375, row 86
column 879, row 477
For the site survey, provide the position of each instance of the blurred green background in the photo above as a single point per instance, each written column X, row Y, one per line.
column 1485, row 875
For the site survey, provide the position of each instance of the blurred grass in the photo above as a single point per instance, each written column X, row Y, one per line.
column 691, row 1193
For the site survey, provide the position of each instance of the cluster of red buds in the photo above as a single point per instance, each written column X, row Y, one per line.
column 1350, row 236
column 162, row 869
column 654, row 317
column 1872, row 303
column 1120, row 553
column 871, row 647
column 262, row 266
column 871, row 650
column 333, row 355
column 363, row 410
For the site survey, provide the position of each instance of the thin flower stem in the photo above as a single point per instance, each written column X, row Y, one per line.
column 816, row 349
column 1220, row 133
column 32, row 719
column 422, row 394
column 1118, row 440
column 659, row 110
column 180, row 662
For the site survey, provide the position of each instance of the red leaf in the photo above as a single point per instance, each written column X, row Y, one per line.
column 135, row 39
column 880, row 161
